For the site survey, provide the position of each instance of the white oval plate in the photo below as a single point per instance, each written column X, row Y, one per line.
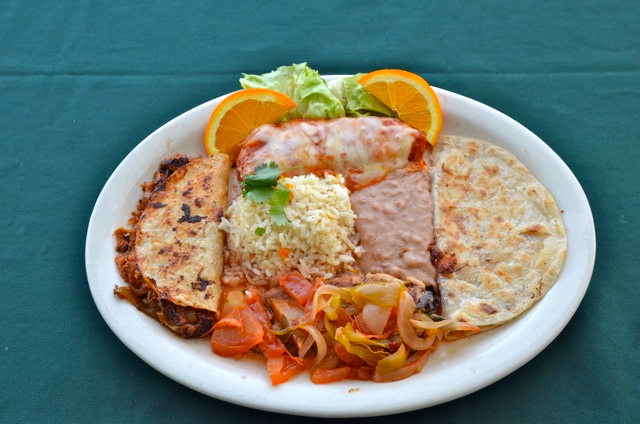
column 454, row 370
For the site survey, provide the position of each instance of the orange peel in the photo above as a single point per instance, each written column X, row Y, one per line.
column 240, row 113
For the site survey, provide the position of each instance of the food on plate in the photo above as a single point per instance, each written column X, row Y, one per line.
column 363, row 149
column 498, row 231
column 372, row 330
column 341, row 236
column 356, row 100
column 312, row 96
column 314, row 239
column 172, row 258
column 395, row 225
column 238, row 114
column 409, row 96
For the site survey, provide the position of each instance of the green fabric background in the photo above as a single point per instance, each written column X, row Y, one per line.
column 83, row 82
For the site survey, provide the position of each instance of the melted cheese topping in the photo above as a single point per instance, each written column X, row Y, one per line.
column 364, row 150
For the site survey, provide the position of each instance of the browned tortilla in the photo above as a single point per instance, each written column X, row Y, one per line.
column 500, row 237
column 179, row 248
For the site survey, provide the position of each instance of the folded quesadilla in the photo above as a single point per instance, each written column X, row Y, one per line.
column 173, row 257
column 499, row 237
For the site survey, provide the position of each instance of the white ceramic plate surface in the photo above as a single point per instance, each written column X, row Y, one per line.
column 454, row 370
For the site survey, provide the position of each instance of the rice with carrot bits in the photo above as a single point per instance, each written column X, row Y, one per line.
column 319, row 241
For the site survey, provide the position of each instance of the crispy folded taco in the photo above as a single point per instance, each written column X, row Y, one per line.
column 172, row 258
column 499, row 237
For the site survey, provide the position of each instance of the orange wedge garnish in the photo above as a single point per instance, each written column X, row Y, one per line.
column 239, row 114
column 409, row 96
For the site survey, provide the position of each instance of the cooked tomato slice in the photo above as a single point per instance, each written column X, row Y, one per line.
column 270, row 345
column 282, row 368
column 236, row 333
column 324, row 376
column 363, row 373
column 297, row 287
column 405, row 371
column 232, row 300
column 347, row 357
column 287, row 312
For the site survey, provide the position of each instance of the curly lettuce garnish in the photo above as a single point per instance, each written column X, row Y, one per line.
column 356, row 100
column 315, row 99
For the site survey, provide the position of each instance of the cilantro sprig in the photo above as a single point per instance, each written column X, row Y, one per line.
column 262, row 186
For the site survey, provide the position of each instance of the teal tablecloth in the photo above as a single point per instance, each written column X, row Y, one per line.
column 83, row 82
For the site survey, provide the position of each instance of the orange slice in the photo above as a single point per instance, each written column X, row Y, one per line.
column 409, row 96
column 239, row 114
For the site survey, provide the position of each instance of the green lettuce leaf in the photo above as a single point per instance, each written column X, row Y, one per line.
column 304, row 85
column 359, row 102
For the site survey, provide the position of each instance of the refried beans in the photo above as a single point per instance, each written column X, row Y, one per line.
column 395, row 223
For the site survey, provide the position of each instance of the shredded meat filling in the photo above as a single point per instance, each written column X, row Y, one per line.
column 444, row 262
